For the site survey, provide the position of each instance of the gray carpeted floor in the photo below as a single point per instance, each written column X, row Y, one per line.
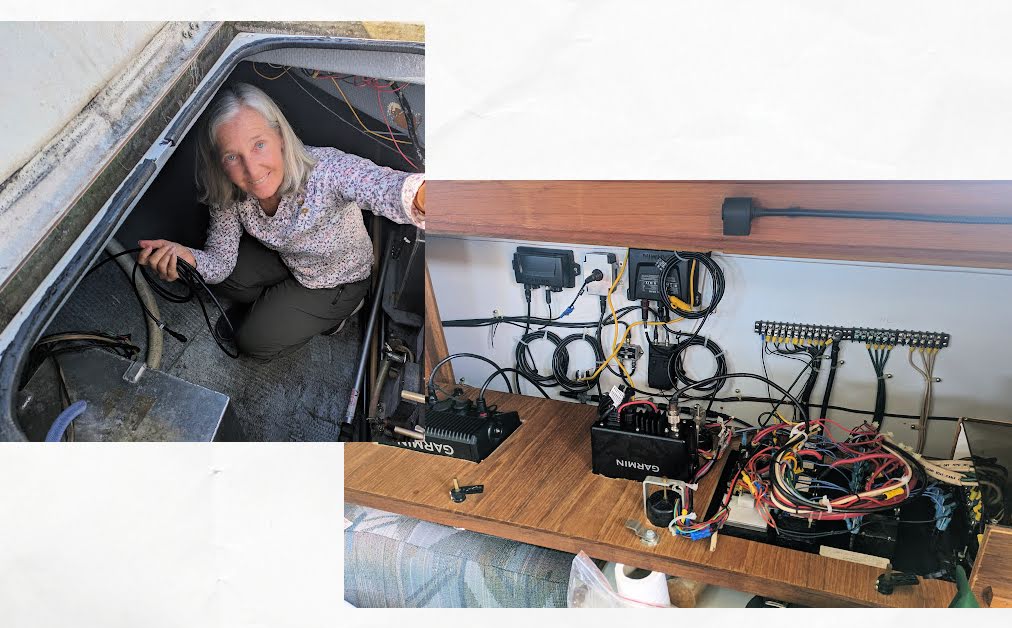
column 302, row 397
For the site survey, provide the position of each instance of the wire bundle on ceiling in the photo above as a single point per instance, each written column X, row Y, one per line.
column 395, row 138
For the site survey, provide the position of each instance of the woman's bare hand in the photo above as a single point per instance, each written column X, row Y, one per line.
column 161, row 256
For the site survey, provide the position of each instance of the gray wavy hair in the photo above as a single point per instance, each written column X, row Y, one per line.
column 215, row 188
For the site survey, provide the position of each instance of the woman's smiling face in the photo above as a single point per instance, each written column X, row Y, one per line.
column 251, row 154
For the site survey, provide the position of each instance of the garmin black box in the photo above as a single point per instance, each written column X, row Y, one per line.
column 634, row 452
column 467, row 435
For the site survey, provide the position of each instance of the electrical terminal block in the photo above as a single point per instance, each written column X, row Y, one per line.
column 814, row 334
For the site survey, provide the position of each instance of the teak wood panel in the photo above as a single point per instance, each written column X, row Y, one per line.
column 539, row 489
column 686, row 215
column 991, row 580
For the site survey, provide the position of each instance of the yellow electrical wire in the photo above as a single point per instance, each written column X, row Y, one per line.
column 360, row 123
column 682, row 305
column 611, row 306
column 270, row 78
column 616, row 341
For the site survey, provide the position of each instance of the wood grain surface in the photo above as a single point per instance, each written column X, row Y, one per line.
column 686, row 215
column 991, row 580
column 435, row 339
column 539, row 489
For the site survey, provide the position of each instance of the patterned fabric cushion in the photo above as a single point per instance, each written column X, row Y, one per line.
column 399, row 562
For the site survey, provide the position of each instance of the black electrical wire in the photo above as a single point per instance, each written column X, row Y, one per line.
column 777, row 405
column 481, row 393
column 797, row 212
column 716, row 277
column 191, row 281
column 813, row 377
column 527, row 330
column 438, row 365
column 410, row 123
column 527, row 366
column 560, row 363
column 834, row 362
column 797, row 404
column 750, row 399
column 676, row 365
column 879, row 356
column 518, row 321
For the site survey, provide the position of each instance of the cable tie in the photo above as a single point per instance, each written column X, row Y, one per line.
column 825, row 502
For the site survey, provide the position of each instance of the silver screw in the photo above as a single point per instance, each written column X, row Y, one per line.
column 938, row 379
column 737, row 391
column 841, row 363
column 889, row 375
column 650, row 536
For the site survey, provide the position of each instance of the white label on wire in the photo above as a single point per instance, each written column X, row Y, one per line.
column 616, row 396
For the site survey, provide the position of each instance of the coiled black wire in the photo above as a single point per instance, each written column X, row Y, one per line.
column 527, row 366
column 676, row 366
column 560, row 363
column 191, row 280
column 716, row 276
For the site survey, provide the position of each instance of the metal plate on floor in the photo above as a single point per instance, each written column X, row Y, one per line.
column 158, row 407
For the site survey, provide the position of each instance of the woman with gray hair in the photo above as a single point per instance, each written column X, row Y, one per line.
column 286, row 239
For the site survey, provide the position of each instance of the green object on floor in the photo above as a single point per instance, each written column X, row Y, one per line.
column 964, row 596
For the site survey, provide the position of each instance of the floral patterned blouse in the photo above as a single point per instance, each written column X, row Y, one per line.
column 319, row 234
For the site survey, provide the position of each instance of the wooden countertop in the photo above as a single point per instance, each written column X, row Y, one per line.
column 991, row 580
column 539, row 489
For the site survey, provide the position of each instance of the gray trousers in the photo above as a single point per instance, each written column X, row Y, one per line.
column 285, row 314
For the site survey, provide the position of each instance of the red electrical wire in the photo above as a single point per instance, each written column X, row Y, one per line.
column 379, row 99
column 638, row 402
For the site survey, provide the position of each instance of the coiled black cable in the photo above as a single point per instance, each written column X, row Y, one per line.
column 676, row 366
column 716, row 276
column 560, row 363
column 191, row 280
column 527, row 366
